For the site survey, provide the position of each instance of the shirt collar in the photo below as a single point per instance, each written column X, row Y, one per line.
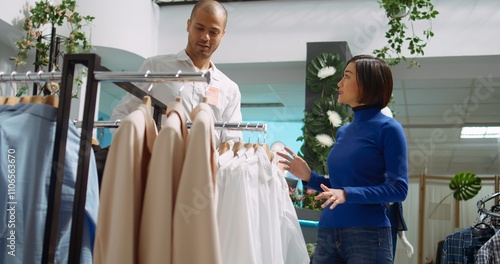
column 214, row 72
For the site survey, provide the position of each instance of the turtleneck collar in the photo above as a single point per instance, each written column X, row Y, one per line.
column 362, row 107
column 365, row 112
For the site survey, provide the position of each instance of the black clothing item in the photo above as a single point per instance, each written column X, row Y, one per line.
column 100, row 159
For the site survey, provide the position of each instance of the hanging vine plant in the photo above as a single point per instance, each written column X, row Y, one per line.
column 39, row 27
column 401, row 35
column 326, row 115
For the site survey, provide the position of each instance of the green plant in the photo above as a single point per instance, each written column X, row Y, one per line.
column 305, row 198
column 45, row 16
column 310, row 249
column 464, row 186
column 321, row 122
column 401, row 34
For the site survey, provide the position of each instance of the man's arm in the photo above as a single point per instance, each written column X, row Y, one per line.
column 127, row 105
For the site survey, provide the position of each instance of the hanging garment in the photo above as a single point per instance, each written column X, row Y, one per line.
column 292, row 239
column 194, row 222
column 155, row 244
column 237, row 209
column 100, row 154
column 256, row 218
column 462, row 246
column 235, row 221
column 27, row 134
column 489, row 253
column 122, row 190
column 269, row 209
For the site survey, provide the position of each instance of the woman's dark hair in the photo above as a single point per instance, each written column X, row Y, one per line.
column 375, row 80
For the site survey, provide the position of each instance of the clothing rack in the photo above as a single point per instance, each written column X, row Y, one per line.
column 92, row 62
column 96, row 73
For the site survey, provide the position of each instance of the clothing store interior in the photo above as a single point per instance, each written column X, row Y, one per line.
column 266, row 50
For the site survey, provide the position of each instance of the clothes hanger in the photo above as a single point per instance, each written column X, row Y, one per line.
column 25, row 99
column 224, row 147
column 483, row 226
column 237, row 146
column 264, row 145
column 248, row 144
column 51, row 100
column 268, row 151
column 257, row 144
column 37, row 99
column 147, row 101
column 12, row 100
column 267, row 148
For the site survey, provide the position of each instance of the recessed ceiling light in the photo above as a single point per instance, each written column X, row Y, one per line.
column 480, row 132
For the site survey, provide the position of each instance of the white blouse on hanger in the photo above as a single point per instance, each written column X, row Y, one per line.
column 256, row 219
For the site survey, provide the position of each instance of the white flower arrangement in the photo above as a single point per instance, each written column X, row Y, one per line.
column 334, row 118
column 324, row 140
column 326, row 72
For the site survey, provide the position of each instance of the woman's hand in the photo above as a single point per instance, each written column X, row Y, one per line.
column 333, row 197
column 295, row 165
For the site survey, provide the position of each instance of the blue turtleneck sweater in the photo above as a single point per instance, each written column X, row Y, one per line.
column 369, row 161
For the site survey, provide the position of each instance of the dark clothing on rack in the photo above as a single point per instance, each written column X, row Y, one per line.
column 462, row 246
column 100, row 159
column 490, row 252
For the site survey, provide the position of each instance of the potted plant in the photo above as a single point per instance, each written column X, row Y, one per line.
column 39, row 26
column 401, row 34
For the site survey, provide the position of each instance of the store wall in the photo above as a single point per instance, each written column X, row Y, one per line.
column 261, row 31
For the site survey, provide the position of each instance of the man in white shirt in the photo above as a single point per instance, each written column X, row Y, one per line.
column 206, row 28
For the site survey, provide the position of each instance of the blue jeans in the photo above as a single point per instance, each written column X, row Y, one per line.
column 354, row 245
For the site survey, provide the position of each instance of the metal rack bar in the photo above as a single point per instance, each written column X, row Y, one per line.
column 217, row 125
column 106, row 76
column 155, row 77
column 31, row 77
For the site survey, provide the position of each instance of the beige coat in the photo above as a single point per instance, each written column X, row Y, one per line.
column 195, row 234
column 123, row 184
column 155, row 244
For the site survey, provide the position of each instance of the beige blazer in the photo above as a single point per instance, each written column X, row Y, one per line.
column 123, row 184
column 155, row 238
column 195, row 234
